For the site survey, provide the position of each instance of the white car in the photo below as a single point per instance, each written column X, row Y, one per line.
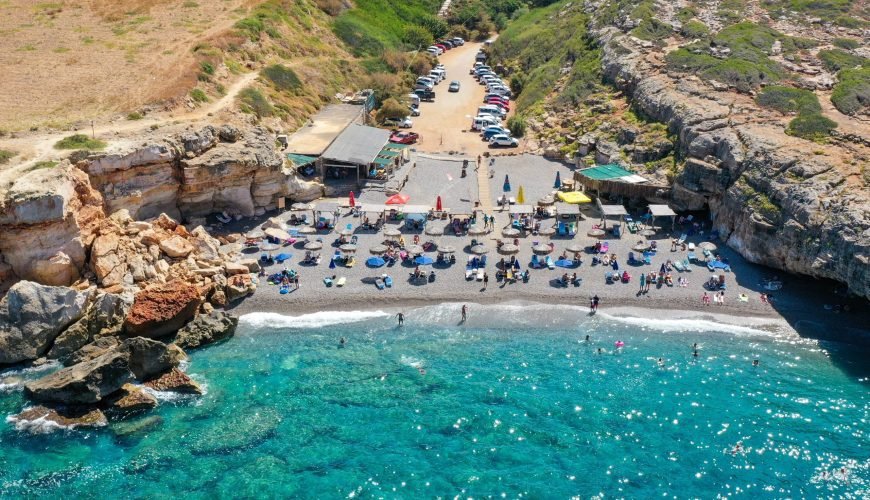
column 438, row 50
column 399, row 122
column 503, row 140
column 415, row 111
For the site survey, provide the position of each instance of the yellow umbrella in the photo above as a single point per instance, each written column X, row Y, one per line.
column 521, row 198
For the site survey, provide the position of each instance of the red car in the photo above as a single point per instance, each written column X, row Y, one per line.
column 404, row 137
column 499, row 103
column 442, row 47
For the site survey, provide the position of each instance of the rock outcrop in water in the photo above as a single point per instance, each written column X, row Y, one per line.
column 162, row 309
column 206, row 329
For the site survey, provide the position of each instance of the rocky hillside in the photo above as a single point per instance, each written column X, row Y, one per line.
column 737, row 111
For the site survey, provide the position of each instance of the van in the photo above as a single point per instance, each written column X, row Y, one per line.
column 490, row 109
column 482, row 122
column 425, row 94
column 439, row 73
column 415, row 99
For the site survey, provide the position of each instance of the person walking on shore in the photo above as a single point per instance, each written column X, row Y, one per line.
column 705, row 299
column 642, row 282
column 464, row 313
column 594, row 304
column 485, row 280
column 401, row 318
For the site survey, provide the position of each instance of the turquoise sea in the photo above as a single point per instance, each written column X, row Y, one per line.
column 514, row 403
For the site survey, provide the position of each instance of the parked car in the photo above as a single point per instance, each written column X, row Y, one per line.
column 483, row 121
column 458, row 41
column 442, row 47
column 454, row 86
column 437, row 49
column 415, row 110
column 399, row 122
column 447, row 43
column 490, row 95
column 404, row 137
column 493, row 98
column 502, row 140
column 491, row 132
column 498, row 102
column 425, row 94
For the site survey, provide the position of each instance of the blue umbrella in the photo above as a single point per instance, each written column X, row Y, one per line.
column 281, row 257
column 565, row 263
column 332, row 263
column 507, row 184
column 423, row 260
column 375, row 262
column 558, row 183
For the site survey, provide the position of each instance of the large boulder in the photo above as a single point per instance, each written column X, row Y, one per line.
column 91, row 351
column 162, row 309
column 174, row 380
column 42, row 420
column 206, row 329
column 85, row 383
column 131, row 399
column 176, row 247
column 33, row 315
column 148, row 358
column 105, row 317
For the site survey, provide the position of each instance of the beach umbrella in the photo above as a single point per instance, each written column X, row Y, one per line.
column 707, row 246
column 255, row 234
column 565, row 263
column 278, row 234
column 281, row 257
column 479, row 249
column 476, row 230
column 348, row 247
column 269, row 247
column 398, row 199
column 510, row 232
column 378, row 249
column 521, row 196
column 648, row 232
column 509, row 248
column 446, row 249
column 640, row 247
column 542, row 249
column 351, row 200
column 346, row 232
column 595, row 232
column 313, row 245
column 547, row 200
column 507, row 184
column 332, row 263
column 423, row 260
column 575, row 248
column 392, row 233
column 300, row 206
column 307, row 230
column 558, row 183
column 438, row 204
column 414, row 249
column 547, row 231
column 375, row 262
column 433, row 229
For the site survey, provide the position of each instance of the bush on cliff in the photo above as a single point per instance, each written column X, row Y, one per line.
column 373, row 26
column 811, row 126
column 80, row 141
column 789, row 100
column 852, row 94
column 5, row 156
column 835, row 60
column 392, row 109
column 283, row 78
column 253, row 101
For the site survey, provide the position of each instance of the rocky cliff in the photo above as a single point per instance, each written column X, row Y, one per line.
column 773, row 197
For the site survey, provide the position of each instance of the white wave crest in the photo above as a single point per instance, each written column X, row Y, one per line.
column 687, row 325
column 313, row 320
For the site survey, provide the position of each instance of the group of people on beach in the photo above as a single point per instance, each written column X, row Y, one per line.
column 718, row 298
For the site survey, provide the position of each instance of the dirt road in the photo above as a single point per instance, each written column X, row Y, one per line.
column 445, row 125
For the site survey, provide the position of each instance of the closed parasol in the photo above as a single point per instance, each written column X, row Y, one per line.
column 438, row 204
column 479, row 249
column 351, row 200
column 348, row 247
column 521, row 196
column 506, row 187
column 542, row 249
column 509, row 248
column 510, row 232
column 558, row 183
column 313, row 245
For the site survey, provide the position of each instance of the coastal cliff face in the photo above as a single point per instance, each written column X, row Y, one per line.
column 773, row 197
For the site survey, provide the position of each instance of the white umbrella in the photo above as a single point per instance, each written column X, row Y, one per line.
column 544, row 249
column 446, row 249
column 269, row 247
column 595, row 232
column 476, row 230
column 575, row 248
column 510, row 232
column 313, row 245
column 479, row 249
column 706, row 245
column 509, row 248
column 346, row 232
column 547, row 231
column 255, row 234
column 414, row 249
column 348, row 247
column 300, row 206
column 392, row 233
column 307, row 230
column 434, row 229
column 280, row 234
column 648, row 232
column 378, row 249
column 547, row 200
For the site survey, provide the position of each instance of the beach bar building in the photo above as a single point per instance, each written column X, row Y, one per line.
column 355, row 153
column 656, row 211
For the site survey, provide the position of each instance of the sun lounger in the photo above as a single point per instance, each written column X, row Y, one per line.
column 535, row 263
column 682, row 239
column 379, row 283
column 647, row 257
column 679, row 266
column 550, row 263
column 692, row 257
column 718, row 264
column 341, row 281
column 482, row 261
column 480, row 275
column 691, row 247
column 327, row 281
column 605, row 247
column 470, row 272
column 388, row 281
column 686, row 265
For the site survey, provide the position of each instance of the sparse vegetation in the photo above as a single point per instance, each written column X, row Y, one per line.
column 851, row 95
column 198, row 95
column 41, row 165
column 835, row 60
column 846, row 43
column 652, row 29
column 283, row 78
column 6, row 155
column 517, row 125
column 789, row 100
column 694, row 29
column 80, row 141
column 811, row 126
column 253, row 101
column 135, row 115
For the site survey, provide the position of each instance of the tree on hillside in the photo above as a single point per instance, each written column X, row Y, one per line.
column 392, row 109
column 417, row 37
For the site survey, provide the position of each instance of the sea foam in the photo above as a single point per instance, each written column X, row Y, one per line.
column 313, row 320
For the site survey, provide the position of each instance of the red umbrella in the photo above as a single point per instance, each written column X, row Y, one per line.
column 398, row 199
column 438, row 204
column 352, row 200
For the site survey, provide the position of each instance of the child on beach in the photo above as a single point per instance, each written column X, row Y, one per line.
column 705, row 299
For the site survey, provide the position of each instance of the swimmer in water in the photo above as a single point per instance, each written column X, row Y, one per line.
column 754, row 362
column 422, row 371
column 661, row 362
column 341, row 342
column 844, row 473
column 695, row 353
column 738, row 448
column 695, row 346
column 600, row 350
column 587, row 339
column 401, row 319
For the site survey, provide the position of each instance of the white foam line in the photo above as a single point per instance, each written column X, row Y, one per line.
column 313, row 320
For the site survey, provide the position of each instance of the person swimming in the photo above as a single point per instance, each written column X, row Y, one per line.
column 341, row 342
column 587, row 339
column 600, row 351
column 695, row 353
column 738, row 448
column 661, row 362
column 754, row 362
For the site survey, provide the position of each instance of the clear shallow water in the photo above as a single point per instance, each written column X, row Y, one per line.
column 514, row 403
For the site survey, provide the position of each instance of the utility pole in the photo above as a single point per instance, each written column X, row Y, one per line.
column 93, row 134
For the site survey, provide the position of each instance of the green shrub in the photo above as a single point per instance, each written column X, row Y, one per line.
column 417, row 37
column 847, row 43
column 40, row 165
column 283, row 78
column 694, row 29
column 652, row 29
column 207, row 67
column 135, row 115
column 80, row 141
column 811, row 126
column 852, row 93
column 835, row 60
column 789, row 100
column 198, row 95
column 391, row 108
column 373, row 26
column 6, row 155
column 253, row 101
column 686, row 13
column 517, row 125
column 251, row 26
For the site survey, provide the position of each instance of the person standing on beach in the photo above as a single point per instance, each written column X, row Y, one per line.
column 485, row 280
column 705, row 299
column 401, row 318
column 721, row 298
column 464, row 313
column 642, row 282
column 594, row 305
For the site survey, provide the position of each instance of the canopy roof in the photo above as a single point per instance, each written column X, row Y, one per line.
column 383, row 161
column 389, row 153
column 396, row 146
column 521, row 209
column 613, row 210
column 661, row 211
column 415, row 209
column 300, row 160
column 357, row 144
column 374, row 207
column 611, row 172
column 567, row 208
column 573, row 197
column 326, row 207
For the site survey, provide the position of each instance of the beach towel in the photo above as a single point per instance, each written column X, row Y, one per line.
column 341, row 281
column 550, row 263
column 379, row 283
column 679, row 266
column 388, row 281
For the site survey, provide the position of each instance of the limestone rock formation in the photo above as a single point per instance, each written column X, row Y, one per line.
column 33, row 315
column 148, row 358
column 131, row 399
column 41, row 420
column 84, row 383
column 206, row 329
column 174, row 380
column 162, row 309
